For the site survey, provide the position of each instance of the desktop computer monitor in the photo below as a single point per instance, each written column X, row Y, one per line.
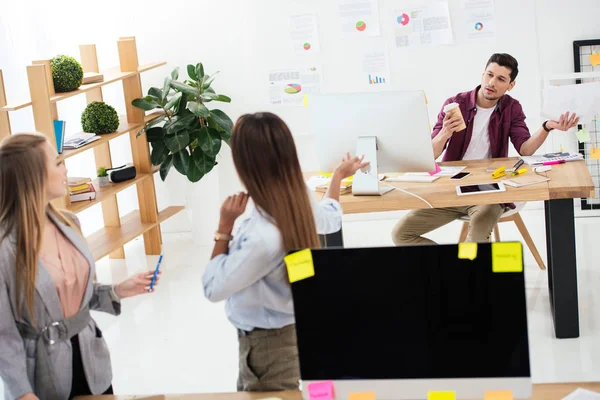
column 404, row 321
column 391, row 129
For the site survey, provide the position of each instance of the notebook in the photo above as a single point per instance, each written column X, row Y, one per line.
column 525, row 180
column 558, row 156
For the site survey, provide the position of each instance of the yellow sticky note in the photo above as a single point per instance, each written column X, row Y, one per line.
column 299, row 265
column 467, row 251
column 498, row 395
column 595, row 59
column 441, row 396
column 305, row 100
column 507, row 257
column 595, row 153
column 362, row 396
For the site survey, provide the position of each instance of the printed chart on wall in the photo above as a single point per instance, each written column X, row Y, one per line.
column 359, row 17
column 304, row 34
column 375, row 67
column 480, row 20
column 425, row 26
column 288, row 87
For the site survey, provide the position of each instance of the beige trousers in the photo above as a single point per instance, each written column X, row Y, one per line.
column 409, row 230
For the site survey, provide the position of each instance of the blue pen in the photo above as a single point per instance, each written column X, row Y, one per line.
column 155, row 272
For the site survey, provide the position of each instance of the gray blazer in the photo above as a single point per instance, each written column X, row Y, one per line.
column 18, row 355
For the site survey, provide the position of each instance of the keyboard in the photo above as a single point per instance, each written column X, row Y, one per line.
column 413, row 178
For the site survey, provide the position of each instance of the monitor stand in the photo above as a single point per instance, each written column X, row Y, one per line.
column 367, row 183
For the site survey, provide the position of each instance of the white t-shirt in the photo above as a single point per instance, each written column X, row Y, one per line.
column 479, row 146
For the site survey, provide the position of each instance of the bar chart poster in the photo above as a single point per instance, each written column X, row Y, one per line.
column 375, row 65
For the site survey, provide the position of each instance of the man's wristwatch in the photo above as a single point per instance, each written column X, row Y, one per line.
column 223, row 236
column 545, row 127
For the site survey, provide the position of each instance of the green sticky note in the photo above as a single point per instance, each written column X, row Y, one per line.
column 583, row 135
column 299, row 265
column 467, row 251
column 507, row 257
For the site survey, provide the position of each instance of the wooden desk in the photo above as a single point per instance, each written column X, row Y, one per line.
column 552, row 391
column 567, row 181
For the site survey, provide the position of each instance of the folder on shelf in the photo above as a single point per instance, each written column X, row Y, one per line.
column 59, row 133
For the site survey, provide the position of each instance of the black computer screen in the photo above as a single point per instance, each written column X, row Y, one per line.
column 416, row 312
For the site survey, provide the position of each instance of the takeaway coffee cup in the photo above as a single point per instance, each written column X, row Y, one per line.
column 452, row 109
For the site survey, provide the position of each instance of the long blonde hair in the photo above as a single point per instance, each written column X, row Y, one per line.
column 265, row 158
column 23, row 177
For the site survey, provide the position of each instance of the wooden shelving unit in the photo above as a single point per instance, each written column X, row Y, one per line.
column 145, row 221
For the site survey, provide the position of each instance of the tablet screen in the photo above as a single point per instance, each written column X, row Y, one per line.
column 488, row 187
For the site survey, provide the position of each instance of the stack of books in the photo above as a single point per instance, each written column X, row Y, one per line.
column 81, row 189
column 79, row 139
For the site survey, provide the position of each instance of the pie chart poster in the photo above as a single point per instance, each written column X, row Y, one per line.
column 358, row 18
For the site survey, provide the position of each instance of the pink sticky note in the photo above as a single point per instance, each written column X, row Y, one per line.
column 437, row 169
column 320, row 391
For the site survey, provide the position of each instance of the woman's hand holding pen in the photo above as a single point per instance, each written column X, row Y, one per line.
column 136, row 284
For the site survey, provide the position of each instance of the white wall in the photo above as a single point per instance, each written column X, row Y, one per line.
column 246, row 39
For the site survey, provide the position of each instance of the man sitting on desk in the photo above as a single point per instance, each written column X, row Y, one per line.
column 492, row 118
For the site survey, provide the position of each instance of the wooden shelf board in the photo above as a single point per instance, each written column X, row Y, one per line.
column 124, row 127
column 15, row 107
column 168, row 213
column 148, row 67
column 106, row 192
column 108, row 239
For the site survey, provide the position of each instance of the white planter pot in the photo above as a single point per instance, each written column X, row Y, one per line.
column 103, row 181
column 203, row 206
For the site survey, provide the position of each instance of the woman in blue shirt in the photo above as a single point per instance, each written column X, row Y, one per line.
column 247, row 270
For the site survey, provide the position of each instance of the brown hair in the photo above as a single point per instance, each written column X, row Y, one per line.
column 507, row 61
column 23, row 176
column 265, row 158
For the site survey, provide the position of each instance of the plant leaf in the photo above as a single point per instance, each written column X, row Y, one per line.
column 199, row 71
column 165, row 167
column 178, row 123
column 156, row 92
column 191, row 70
column 209, row 96
column 223, row 98
column 159, row 153
column 155, row 134
column 174, row 100
column 209, row 141
column 178, row 141
column 182, row 87
column 181, row 107
column 175, row 76
column 206, row 82
column 221, row 121
column 165, row 91
column 198, row 109
column 181, row 161
column 144, row 104
column 150, row 124
column 203, row 162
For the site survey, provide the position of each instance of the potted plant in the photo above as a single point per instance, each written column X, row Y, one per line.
column 103, row 177
column 187, row 135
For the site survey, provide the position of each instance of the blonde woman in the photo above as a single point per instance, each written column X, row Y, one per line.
column 248, row 270
column 51, row 347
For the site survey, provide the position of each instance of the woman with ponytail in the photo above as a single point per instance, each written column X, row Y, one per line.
column 51, row 348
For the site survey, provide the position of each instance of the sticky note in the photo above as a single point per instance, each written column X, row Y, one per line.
column 362, row 396
column 583, row 135
column 507, row 257
column 437, row 169
column 320, row 390
column 305, row 100
column 467, row 251
column 299, row 265
column 441, row 396
column 595, row 59
column 498, row 395
column 595, row 153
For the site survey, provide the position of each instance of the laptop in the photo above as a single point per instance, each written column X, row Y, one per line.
column 404, row 321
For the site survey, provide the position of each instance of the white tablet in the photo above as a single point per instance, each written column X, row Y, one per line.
column 481, row 188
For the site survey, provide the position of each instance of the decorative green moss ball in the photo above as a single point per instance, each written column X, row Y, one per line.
column 67, row 73
column 99, row 117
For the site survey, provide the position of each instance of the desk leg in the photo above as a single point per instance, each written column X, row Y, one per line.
column 332, row 240
column 562, row 267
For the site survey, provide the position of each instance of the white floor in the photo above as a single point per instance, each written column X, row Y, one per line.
column 175, row 341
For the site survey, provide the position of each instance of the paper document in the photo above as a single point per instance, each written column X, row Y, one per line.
column 540, row 159
column 359, row 17
column 480, row 21
column 304, row 34
column 445, row 171
column 376, row 69
column 582, row 394
column 79, row 139
column 288, row 87
column 582, row 99
column 426, row 26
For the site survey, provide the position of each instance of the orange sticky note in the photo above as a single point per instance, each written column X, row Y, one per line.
column 498, row 395
column 595, row 153
column 362, row 396
column 441, row 396
column 299, row 265
column 595, row 59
